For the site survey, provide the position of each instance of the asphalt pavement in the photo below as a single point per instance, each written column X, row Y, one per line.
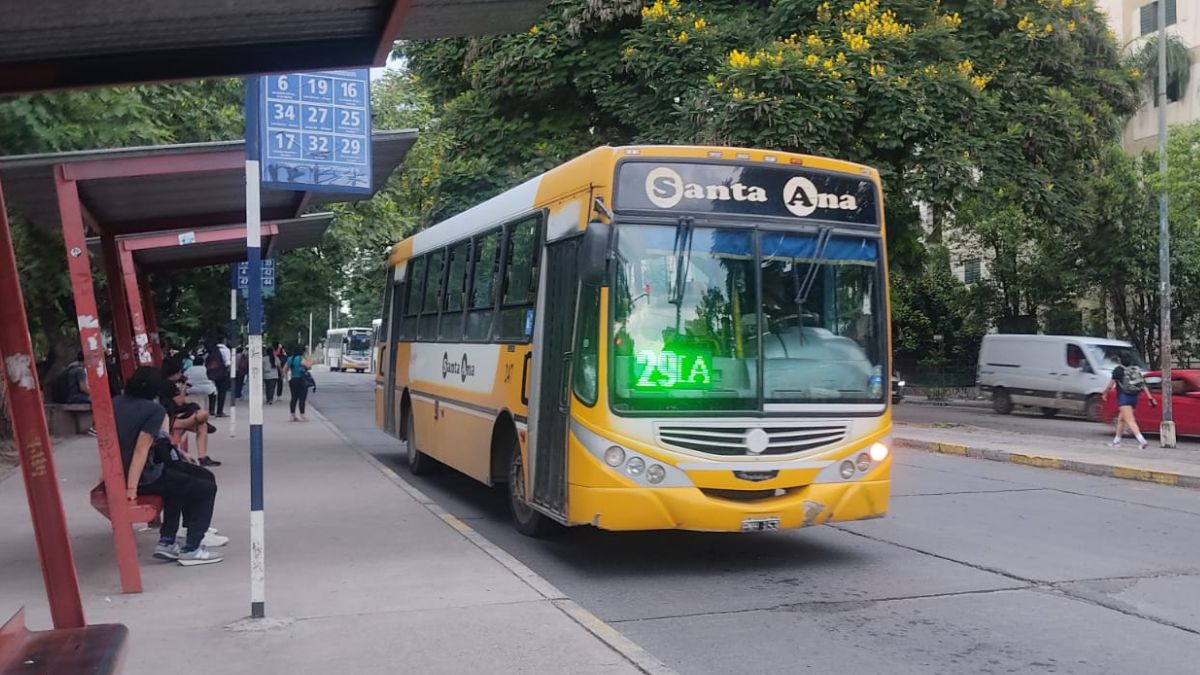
column 979, row 567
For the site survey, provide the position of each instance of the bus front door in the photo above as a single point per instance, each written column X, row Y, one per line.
column 549, row 403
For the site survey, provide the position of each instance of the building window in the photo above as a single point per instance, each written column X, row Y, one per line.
column 972, row 270
column 1149, row 16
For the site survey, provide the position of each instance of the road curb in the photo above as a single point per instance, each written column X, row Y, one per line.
column 1050, row 462
column 597, row 627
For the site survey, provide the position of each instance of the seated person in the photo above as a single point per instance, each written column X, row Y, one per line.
column 152, row 466
column 185, row 416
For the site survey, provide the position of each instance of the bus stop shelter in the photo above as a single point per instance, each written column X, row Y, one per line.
column 61, row 44
column 134, row 202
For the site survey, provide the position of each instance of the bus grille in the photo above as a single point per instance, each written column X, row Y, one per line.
column 733, row 441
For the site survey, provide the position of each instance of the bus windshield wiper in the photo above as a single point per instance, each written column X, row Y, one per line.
column 682, row 253
column 810, row 277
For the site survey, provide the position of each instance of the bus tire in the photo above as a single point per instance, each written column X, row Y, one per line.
column 525, row 518
column 419, row 463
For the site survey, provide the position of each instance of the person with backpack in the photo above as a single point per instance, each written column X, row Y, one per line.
column 217, row 363
column 72, row 387
column 298, row 382
column 1129, row 382
column 243, row 369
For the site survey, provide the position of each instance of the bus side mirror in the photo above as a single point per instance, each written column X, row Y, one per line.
column 593, row 253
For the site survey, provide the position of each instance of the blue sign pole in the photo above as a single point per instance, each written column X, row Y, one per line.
column 309, row 132
column 258, row 568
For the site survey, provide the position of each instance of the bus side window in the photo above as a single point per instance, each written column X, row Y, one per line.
column 456, row 290
column 520, row 280
column 412, row 303
column 427, row 328
column 481, row 298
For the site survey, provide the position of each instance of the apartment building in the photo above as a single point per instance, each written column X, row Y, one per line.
column 1133, row 21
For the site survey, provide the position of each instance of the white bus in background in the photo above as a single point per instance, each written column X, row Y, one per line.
column 349, row 349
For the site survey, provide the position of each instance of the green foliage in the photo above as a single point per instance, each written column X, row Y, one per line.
column 935, row 96
column 1144, row 62
column 934, row 303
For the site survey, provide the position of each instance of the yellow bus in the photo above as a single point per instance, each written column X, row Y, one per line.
column 652, row 337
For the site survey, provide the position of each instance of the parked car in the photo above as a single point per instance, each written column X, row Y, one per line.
column 1185, row 403
column 1055, row 373
column 898, row 385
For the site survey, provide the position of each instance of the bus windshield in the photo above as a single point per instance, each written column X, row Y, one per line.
column 358, row 343
column 692, row 329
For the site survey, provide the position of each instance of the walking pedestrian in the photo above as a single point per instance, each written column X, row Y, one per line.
column 243, row 370
column 217, row 362
column 1127, row 379
column 297, row 368
column 281, row 361
column 271, row 378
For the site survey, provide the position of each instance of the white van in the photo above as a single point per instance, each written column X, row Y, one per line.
column 1051, row 372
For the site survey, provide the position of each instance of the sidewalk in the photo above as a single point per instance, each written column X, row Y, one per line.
column 362, row 577
column 1092, row 456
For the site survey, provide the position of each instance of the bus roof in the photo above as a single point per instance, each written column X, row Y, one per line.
column 524, row 197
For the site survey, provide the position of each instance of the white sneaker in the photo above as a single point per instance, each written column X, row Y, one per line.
column 200, row 556
column 214, row 540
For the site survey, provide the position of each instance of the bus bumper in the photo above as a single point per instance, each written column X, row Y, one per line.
column 689, row 508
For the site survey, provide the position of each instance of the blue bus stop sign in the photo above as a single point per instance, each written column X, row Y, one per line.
column 314, row 130
column 242, row 273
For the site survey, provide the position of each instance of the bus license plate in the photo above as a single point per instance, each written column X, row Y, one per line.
column 760, row 524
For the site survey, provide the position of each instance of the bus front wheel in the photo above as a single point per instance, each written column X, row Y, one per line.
column 419, row 463
column 527, row 520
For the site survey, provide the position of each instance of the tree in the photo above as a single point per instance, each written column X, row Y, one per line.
column 949, row 101
column 1144, row 61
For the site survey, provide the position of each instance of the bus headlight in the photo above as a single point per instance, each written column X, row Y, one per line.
column 863, row 461
column 847, row 469
column 636, row 466
column 614, row 456
column 656, row 473
column 879, row 452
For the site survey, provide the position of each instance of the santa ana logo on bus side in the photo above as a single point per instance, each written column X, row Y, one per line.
column 665, row 188
column 463, row 368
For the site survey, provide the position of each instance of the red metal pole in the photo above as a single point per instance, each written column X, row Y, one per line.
column 92, row 342
column 122, row 333
column 33, row 443
column 156, row 352
column 141, row 341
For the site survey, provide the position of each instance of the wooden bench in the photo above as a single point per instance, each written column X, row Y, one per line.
column 95, row 650
column 145, row 510
column 68, row 419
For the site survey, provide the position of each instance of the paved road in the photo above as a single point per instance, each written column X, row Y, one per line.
column 1020, row 421
column 980, row 567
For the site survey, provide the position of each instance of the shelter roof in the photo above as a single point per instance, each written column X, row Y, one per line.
column 185, row 249
column 59, row 44
column 133, row 191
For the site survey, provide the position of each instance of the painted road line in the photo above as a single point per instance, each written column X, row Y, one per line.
column 1049, row 462
column 626, row 648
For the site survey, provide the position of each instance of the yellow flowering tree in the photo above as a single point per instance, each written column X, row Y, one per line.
column 948, row 99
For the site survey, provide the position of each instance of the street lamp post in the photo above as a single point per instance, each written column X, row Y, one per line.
column 1167, row 428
